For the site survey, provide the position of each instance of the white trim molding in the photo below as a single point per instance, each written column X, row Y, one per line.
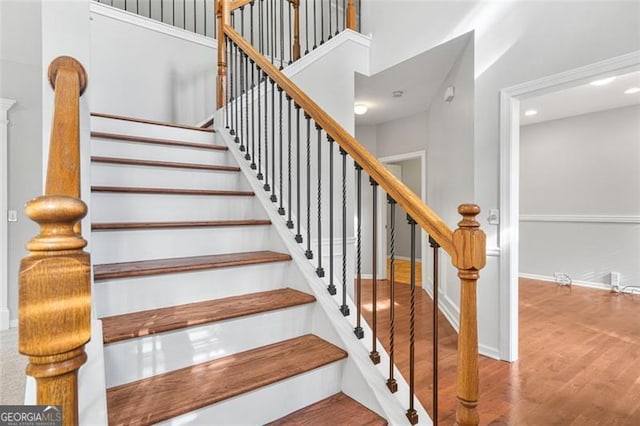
column 590, row 284
column 510, row 98
column 583, row 218
column 5, row 106
column 151, row 24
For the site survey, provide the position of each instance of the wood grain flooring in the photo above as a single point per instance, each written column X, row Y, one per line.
column 579, row 358
column 183, row 264
column 144, row 323
column 403, row 271
column 338, row 409
column 170, row 394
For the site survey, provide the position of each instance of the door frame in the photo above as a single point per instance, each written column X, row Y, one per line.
column 508, row 231
column 382, row 213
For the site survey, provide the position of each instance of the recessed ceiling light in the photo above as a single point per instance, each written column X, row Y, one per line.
column 360, row 109
column 397, row 93
column 632, row 90
column 603, row 81
column 530, row 112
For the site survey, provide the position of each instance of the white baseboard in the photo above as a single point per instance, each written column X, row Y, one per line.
column 490, row 352
column 598, row 286
column 4, row 319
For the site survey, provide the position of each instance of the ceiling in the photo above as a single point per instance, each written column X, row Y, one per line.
column 582, row 99
column 419, row 78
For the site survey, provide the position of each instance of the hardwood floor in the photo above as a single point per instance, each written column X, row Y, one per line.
column 579, row 358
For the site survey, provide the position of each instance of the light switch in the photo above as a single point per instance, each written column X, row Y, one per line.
column 494, row 217
column 12, row 216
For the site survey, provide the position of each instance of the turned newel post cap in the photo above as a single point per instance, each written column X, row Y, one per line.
column 70, row 63
column 57, row 216
column 469, row 240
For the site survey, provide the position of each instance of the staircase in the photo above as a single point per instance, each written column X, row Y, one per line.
column 206, row 319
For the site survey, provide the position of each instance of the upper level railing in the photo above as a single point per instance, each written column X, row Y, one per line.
column 291, row 144
column 55, row 290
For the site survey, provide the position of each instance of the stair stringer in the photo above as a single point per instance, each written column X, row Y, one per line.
column 361, row 379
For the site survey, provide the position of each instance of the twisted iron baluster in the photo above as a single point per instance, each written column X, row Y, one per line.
column 266, row 134
column 358, row 331
column 273, row 197
column 319, row 270
column 289, row 221
column 412, row 414
column 298, row 234
column 228, row 103
column 308, row 253
column 344, row 308
column 391, row 382
column 331, row 288
column 243, row 113
column 281, row 208
column 259, row 175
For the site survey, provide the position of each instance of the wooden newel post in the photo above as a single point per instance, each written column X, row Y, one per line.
column 54, row 280
column 224, row 18
column 351, row 15
column 470, row 256
column 296, row 29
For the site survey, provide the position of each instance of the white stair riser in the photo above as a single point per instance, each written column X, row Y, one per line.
column 150, row 151
column 165, row 177
column 125, row 295
column 110, row 207
column 268, row 403
column 144, row 357
column 144, row 244
column 124, row 127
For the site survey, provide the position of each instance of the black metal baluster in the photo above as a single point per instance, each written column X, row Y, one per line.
column 266, row 134
column 290, row 35
column 273, row 197
column 252, row 156
column 436, row 309
column 281, row 210
column 374, row 355
column 251, row 23
column 149, row 7
column 240, row 98
column 359, row 5
column 245, row 144
column 184, row 14
column 412, row 414
column 259, row 176
column 391, row 382
column 306, row 27
column 330, row 22
column 319, row 270
column 358, row 331
column 242, row 22
column 228, row 86
column 195, row 23
column 344, row 14
column 281, row 33
column 321, row 22
column 315, row 30
column 298, row 218
column 308, row 253
column 331, row 288
column 260, row 27
column 162, row 11
column 289, row 221
column 204, row 5
column 344, row 308
column 234, row 119
column 173, row 13
column 273, row 31
column 137, row 7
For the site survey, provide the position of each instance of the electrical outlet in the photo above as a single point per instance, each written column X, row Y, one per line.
column 12, row 216
column 562, row 278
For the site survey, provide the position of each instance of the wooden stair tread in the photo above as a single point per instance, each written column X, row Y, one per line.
column 107, row 226
column 152, row 163
column 339, row 409
column 169, row 191
column 145, row 121
column 177, row 392
column 183, row 264
column 137, row 324
column 157, row 141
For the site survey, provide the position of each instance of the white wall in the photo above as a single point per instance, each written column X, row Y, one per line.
column 515, row 42
column 20, row 79
column 584, row 169
column 145, row 73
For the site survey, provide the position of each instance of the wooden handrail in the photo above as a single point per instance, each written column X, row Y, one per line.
column 55, row 292
column 404, row 196
column 235, row 4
